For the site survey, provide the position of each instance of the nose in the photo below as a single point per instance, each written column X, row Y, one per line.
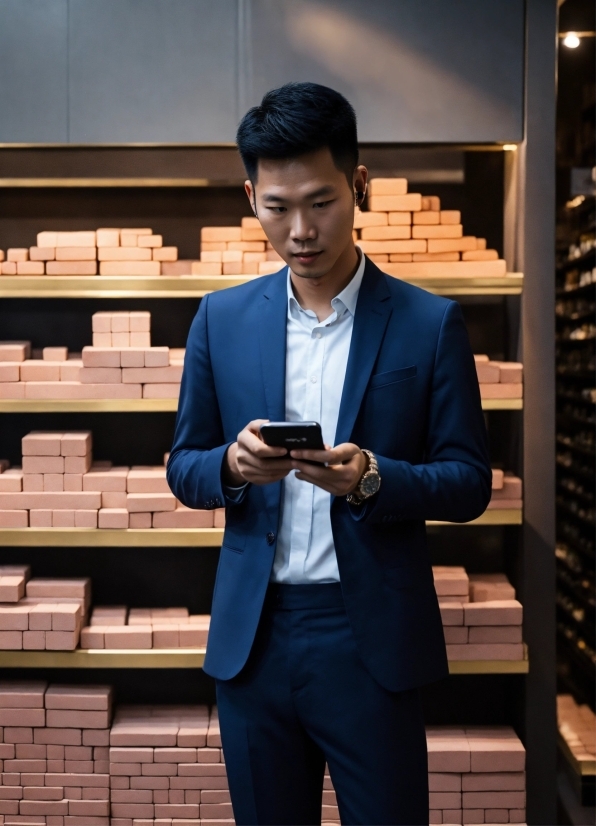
column 302, row 228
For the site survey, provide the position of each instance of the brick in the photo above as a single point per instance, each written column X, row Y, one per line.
column 84, row 238
column 14, row 618
column 63, row 737
column 117, row 254
column 452, row 613
column 372, row 219
column 132, row 357
column 61, row 640
column 438, row 231
column 84, row 698
column 129, row 236
column 71, row 267
column 206, row 268
column 8, row 268
column 147, row 481
column 511, row 372
column 129, row 268
column 86, row 518
column 42, row 253
column 89, row 807
column 101, row 322
column 154, row 375
column 107, row 237
column 74, row 390
column 140, row 339
column 22, row 717
column 445, row 800
column 43, row 464
column 77, row 465
column 69, row 370
column 127, row 755
column 53, row 481
column 161, row 391
column 139, row 521
column 389, row 233
column 496, row 612
column 112, row 518
column 494, row 781
column 485, row 651
column 127, row 636
column 22, row 694
column 74, row 587
column 63, row 519
column 444, row 782
column 496, row 799
column 10, row 371
column 456, row 242
column 101, row 357
column 65, row 617
column 12, row 588
column 165, row 254
column 34, row 640
column 76, row 254
column 487, row 371
column 143, row 502
column 62, row 718
column 387, row 186
column 395, row 203
column 17, row 254
column 135, row 810
column 418, row 245
column 150, row 241
column 47, row 239
column 495, row 634
column 112, row 479
column 426, row 217
column 12, row 518
column 120, row 322
column 157, row 357
column 101, row 375
column 221, row 234
column 41, row 443
column 11, row 481
column 456, row 634
column 512, row 487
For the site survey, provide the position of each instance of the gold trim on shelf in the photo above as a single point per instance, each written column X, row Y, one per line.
column 151, row 405
column 197, row 286
column 105, row 658
column 170, row 537
column 585, row 768
column 74, row 183
column 88, row 405
column 194, row 658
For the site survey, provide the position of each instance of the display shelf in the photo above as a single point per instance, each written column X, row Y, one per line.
column 194, row 658
column 170, row 537
column 197, row 286
column 152, row 405
column 103, row 182
column 585, row 768
column 583, row 260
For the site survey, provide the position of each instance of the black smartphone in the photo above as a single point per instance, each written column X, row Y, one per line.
column 293, row 435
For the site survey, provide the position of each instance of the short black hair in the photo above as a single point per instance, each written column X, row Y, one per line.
column 296, row 119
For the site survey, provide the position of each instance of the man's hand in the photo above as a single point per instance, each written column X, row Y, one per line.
column 251, row 460
column 346, row 465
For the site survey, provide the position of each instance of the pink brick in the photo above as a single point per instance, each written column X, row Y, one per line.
column 100, row 375
column 79, row 779
column 96, row 794
column 517, row 815
column 43, row 793
column 456, row 634
column 144, row 782
column 495, row 751
column 445, row 800
column 15, row 350
column 442, row 782
column 14, row 519
column 55, row 353
column 183, row 517
column 12, row 390
column 144, row 502
column 113, row 499
column 96, row 737
column 89, row 807
column 77, row 466
column 216, row 811
column 128, row 755
column 223, row 796
column 34, row 640
column 496, row 816
column 159, row 769
column 32, row 482
column 435, row 816
column 192, row 636
column 486, row 651
column 114, row 518
column 495, row 634
column 43, row 464
column 39, row 370
column 501, row 391
column 61, row 640
column 73, row 587
column 16, row 694
column 101, row 357
column 127, row 636
column 152, row 375
column 147, row 481
column 140, row 321
column 59, row 718
column 452, row 816
column 219, row 518
column 494, row 800
column 132, row 796
column 9, row 371
column 53, row 481
column 69, row 370
column 180, row 810
column 473, row 816
column 42, row 253
column 139, row 520
column 132, row 357
column 205, row 755
column 83, row 698
column 85, row 518
column 74, row 390
column 50, row 501
column 14, row 617
column 201, row 770
column 157, row 357
column 40, row 617
column 132, row 810
column 161, row 391
column 76, row 443
column 512, row 489
column 497, row 612
column 113, row 479
column 63, row 519
column 11, row 480
column 11, row 793
column 165, row 636
column 494, row 781
column 63, row 737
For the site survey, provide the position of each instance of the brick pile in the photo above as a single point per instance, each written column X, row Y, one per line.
column 166, row 767
column 499, row 379
column 59, row 486
column 405, row 232
column 120, row 364
column 242, row 250
column 577, row 728
column 41, row 613
column 506, row 491
column 54, row 744
column 482, row 620
column 116, row 626
column 130, row 251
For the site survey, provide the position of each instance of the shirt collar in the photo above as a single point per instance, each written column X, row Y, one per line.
column 348, row 296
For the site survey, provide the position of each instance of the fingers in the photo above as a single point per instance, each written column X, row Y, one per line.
column 339, row 479
column 250, row 440
column 331, row 456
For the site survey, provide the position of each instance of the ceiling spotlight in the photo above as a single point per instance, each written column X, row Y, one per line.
column 571, row 40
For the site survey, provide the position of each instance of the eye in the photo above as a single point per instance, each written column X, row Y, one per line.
column 322, row 204
column 277, row 210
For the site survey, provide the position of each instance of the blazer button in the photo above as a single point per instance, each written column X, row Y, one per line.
column 270, row 538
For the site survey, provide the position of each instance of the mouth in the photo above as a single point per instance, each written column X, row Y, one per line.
column 306, row 258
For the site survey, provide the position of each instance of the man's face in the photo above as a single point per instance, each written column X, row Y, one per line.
column 306, row 208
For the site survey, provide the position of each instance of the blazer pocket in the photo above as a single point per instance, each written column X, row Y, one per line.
column 392, row 376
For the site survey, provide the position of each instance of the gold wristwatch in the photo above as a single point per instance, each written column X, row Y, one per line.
column 369, row 483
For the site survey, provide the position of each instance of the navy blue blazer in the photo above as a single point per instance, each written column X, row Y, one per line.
column 410, row 395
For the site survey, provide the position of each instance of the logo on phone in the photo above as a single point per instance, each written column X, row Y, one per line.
column 290, row 439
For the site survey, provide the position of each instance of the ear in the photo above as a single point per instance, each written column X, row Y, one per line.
column 360, row 180
column 250, row 194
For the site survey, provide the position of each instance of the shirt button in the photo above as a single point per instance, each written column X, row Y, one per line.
column 313, row 379
column 270, row 538
column 318, row 335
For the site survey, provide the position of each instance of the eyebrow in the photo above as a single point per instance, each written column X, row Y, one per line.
column 318, row 193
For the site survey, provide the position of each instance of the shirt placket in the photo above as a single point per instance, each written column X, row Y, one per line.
column 303, row 511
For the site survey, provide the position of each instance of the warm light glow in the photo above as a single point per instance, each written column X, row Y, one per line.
column 509, row 147
column 571, row 40
column 575, row 202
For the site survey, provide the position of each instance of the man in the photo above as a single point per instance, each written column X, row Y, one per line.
column 325, row 620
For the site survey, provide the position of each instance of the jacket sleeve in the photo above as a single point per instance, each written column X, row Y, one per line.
column 453, row 484
column 195, row 463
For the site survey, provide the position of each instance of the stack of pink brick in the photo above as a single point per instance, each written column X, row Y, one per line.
column 166, row 767
column 499, row 379
column 242, row 250
column 41, row 613
column 121, row 364
column 59, row 486
column 577, row 727
column 482, row 620
column 131, row 251
column 117, row 627
column 506, row 491
column 54, row 746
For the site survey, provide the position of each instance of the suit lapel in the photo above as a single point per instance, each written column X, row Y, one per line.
column 272, row 340
column 373, row 310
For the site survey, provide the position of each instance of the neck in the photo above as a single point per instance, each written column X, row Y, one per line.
column 316, row 294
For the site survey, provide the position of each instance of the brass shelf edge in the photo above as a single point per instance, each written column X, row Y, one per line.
column 151, row 405
column 74, row 183
column 584, row 768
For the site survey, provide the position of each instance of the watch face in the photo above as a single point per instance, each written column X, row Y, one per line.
column 370, row 484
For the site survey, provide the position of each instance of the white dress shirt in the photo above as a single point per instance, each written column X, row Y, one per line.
column 316, row 361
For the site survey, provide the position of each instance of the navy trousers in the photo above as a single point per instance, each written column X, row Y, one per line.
column 304, row 699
